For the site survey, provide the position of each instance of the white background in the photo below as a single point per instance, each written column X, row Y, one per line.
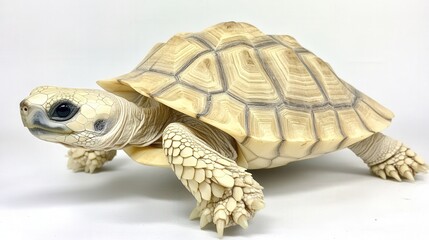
column 380, row 47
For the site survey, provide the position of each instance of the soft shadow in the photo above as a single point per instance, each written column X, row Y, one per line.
column 322, row 172
column 120, row 181
column 131, row 185
column 110, row 184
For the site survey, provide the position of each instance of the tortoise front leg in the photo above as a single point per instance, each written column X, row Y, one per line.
column 81, row 159
column 226, row 194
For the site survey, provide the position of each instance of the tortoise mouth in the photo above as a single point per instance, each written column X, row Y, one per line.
column 38, row 131
column 44, row 133
column 49, row 135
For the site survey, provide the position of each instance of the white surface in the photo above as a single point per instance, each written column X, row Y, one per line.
column 380, row 47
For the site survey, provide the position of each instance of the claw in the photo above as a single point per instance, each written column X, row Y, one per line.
column 381, row 174
column 205, row 218
column 408, row 175
column 257, row 205
column 91, row 168
column 242, row 221
column 203, row 222
column 415, row 166
column 419, row 168
column 220, row 226
column 194, row 214
column 395, row 175
column 419, row 160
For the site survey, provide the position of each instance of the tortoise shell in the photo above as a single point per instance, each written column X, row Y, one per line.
column 277, row 99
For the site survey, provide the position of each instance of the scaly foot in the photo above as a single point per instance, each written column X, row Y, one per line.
column 81, row 159
column 229, row 206
column 405, row 163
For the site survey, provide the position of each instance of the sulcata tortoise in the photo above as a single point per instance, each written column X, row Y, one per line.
column 211, row 105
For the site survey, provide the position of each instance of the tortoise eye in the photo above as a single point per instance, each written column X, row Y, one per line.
column 63, row 111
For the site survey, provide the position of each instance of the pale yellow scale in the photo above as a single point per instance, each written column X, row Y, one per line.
column 280, row 102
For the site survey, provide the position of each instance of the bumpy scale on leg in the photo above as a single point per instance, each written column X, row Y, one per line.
column 388, row 157
column 226, row 194
column 81, row 159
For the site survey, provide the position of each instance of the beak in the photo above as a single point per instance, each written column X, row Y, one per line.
column 34, row 118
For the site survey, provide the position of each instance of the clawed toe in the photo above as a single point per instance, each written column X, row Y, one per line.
column 405, row 164
column 205, row 218
column 242, row 221
column 394, row 174
column 220, row 226
column 229, row 210
column 223, row 217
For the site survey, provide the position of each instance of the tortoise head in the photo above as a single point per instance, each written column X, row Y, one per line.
column 74, row 117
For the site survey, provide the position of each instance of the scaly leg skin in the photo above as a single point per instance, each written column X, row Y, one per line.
column 226, row 194
column 81, row 159
column 388, row 157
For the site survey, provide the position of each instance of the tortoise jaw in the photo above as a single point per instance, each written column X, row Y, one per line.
column 46, row 132
column 39, row 131
column 35, row 119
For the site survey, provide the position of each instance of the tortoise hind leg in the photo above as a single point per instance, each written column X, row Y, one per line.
column 226, row 194
column 388, row 157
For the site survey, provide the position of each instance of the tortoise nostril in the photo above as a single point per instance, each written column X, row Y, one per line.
column 24, row 106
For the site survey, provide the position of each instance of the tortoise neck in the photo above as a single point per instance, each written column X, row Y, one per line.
column 139, row 122
column 150, row 119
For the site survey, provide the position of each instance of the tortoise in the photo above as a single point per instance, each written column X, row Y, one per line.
column 213, row 104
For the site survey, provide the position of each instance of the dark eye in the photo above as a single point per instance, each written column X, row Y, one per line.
column 63, row 111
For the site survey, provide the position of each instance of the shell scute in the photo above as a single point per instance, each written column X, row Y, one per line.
column 245, row 76
column 227, row 111
column 292, row 75
column 333, row 89
column 203, row 73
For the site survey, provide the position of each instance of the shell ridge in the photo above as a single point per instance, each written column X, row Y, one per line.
column 221, row 70
column 279, row 42
column 181, row 82
column 165, row 88
column 270, row 75
column 337, row 119
column 234, row 44
column 316, row 136
column 206, row 108
column 279, row 126
column 188, row 63
column 246, row 121
column 363, row 122
column 265, row 44
column 151, row 54
column 202, row 41
column 160, row 72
